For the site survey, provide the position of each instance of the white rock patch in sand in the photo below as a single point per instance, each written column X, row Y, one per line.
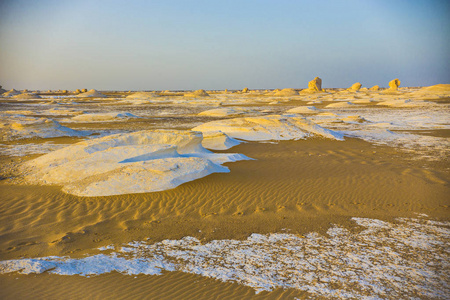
column 21, row 127
column 138, row 162
column 218, row 141
column 374, row 263
column 273, row 127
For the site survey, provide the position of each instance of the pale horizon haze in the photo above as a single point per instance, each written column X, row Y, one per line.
column 188, row 45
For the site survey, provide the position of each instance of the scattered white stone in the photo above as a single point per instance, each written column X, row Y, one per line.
column 376, row 262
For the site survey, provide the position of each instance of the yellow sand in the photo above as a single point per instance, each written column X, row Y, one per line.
column 300, row 186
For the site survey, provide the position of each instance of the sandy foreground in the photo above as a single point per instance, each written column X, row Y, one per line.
column 311, row 215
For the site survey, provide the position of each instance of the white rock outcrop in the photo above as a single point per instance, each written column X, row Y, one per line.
column 138, row 162
column 273, row 127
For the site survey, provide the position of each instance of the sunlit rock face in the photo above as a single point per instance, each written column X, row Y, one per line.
column 394, row 84
column 314, row 85
column 355, row 87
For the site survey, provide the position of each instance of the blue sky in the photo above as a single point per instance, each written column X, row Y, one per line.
column 154, row 45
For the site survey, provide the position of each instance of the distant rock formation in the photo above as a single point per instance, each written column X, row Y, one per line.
column 245, row 90
column 92, row 93
column 143, row 95
column 314, row 85
column 286, row 92
column 78, row 91
column 437, row 88
column 355, row 87
column 394, row 84
column 375, row 88
column 26, row 96
column 10, row 93
column 84, row 90
column 197, row 93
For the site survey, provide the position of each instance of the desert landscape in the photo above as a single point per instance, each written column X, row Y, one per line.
column 231, row 149
column 296, row 193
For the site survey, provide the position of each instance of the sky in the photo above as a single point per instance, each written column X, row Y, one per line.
column 223, row 44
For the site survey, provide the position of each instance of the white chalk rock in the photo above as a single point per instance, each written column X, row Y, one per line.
column 138, row 162
column 273, row 127
column 218, row 141
column 21, row 127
